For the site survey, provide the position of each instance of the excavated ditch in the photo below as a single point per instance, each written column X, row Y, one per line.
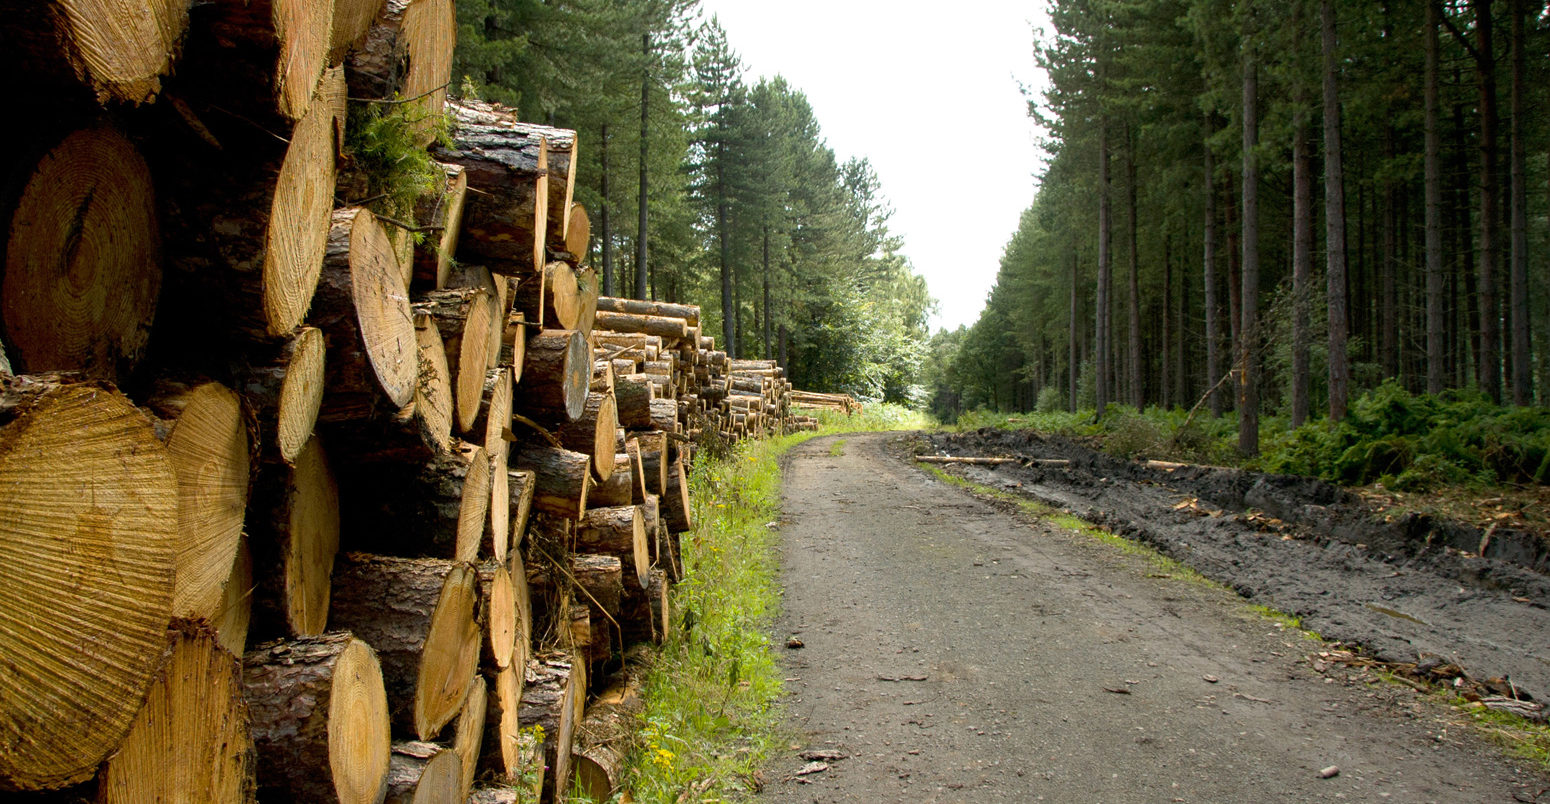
column 1406, row 588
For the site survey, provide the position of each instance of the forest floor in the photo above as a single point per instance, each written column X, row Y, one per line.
column 948, row 647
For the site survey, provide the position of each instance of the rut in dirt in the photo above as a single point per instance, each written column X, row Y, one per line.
column 954, row 651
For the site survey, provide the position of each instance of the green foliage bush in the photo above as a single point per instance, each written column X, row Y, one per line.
column 1050, row 400
column 1415, row 442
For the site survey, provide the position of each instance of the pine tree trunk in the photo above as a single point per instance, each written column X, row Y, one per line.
column 1302, row 259
column 1133, row 300
column 1436, row 346
column 1334, row 220
column 1522, row 378
column 1248, row 382
column 1105, row 267
column 1489, row 372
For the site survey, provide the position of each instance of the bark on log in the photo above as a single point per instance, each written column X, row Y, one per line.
column 557, row 374
column 294, row 538
column 320, row 719
column 419, row 614
column 284, row 390
column 82, row 258
column 464, row 318
column 118, row 51
column 599, row 580
column 497, row 614
column 415, row 433
column 191, row 740
column 665, row 327
column 664, row 415
column 498, row 795
column 676, row 507
column 690, row 313
column 507, row 166
column 588, row 282
column 632, row 398
column 555, row 684
column 638, row 494
column 651, row 520
column 562, row 479
column 593, row 433
column 444, row 210
column 246, row 236
column 424, row 773
column 578, row 232
column 618, row 488
column 407, row 53
column 617, row 531
column 436, row 509
column 208, row 445
column 604, row 736
column 645, row 614
column 361, row 306
column 522, row 642
column 236, row 608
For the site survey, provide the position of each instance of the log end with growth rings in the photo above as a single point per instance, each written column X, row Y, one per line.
column 82, row 259
column 301, row 393
column 299, row 212
column 450, row 655
column 312, row 524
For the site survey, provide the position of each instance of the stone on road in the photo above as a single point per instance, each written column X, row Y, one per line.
column 955, row 651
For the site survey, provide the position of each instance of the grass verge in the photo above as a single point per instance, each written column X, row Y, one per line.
column 711, row 695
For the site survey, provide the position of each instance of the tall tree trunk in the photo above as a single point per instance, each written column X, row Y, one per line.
column 603, row 226
column 1334, row 222
column 640, row 231
column 1302, row 257
column 765, row 319
column 1213, row 335
column 1522, row 381
column 728, row 310
column 1137, row 395
column 1248, row 381
column 1388, row 286
column 1435, row 346
column 1073, row 357
column 1489, row 369
column 1164, row 386
column 1105, row 267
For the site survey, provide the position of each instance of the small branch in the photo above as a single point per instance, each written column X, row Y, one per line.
column 1459, row 35
column 409, row 227
column 555, row 442
column 397, row 101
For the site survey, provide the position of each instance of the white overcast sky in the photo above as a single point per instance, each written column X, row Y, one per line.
column 929, row 94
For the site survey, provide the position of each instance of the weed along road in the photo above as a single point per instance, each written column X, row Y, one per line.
column 951, row 650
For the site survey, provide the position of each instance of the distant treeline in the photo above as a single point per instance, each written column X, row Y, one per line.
column 1287, row 202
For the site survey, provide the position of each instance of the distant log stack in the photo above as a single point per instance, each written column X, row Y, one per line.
column 441, row 484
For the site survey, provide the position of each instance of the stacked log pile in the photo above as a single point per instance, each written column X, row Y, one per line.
column 354, row 520
column 294, row 507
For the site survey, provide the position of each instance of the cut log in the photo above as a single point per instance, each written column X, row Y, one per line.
column 247, row 235
column 320, row 720
column 592, row 433
column 284, row 390
column 604, row 737
column 436, row 509
column 509, row 753
column 522, row 641
column 653, row 458
column 464, row 317
column 563, row 168
column 665, row 327
column 361, row 306
column 555, row 683
column 618, row 488
column 444, row 212
column 677, row 510
column 499, row 795
column 523, row 484
column 578, row 233
column 617, row 531
column 514, row 343
column 651, row 520
column 690, row 313
column 507, row 166
column 352, row 19
column 468, row 732
column 498, row 613
column 118, row 50
column 599, row 581
column 407, row 53
column 82, row 257
column 632, row 399
column 664, row 415
column 419, row 615
column 989, row 461
column 190, row 741
column 295, row 536
column 553, row 299
column 424, row 773
column 556, row 377
column 236, row 610
column 269, row 54
column 562, row 479
column 638, row 492
column 645, row 614
column 208, row 445
column 415, row 433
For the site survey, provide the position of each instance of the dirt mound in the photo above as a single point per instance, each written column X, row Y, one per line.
column 1408, row 588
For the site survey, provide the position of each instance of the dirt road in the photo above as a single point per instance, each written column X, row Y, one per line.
column 957, row 652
